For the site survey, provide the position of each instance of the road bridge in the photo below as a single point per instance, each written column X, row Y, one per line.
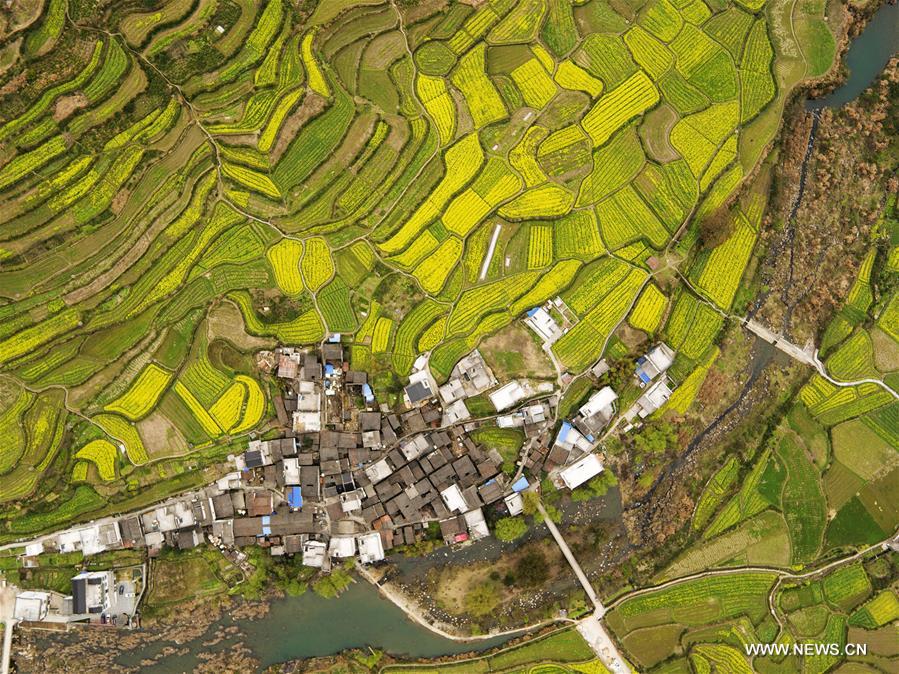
column 807, row 355
column 782, row 343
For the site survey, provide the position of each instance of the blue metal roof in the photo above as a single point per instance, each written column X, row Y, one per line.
column 367, row 393
column 533, row 311
column 329, row 369
column 643, row 377
column 294, row 497
column 521, row 484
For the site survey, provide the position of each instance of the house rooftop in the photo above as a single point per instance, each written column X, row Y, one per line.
column 581, row 470
column 420, row 390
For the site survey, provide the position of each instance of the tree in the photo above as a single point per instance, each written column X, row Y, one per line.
column 596, row 487
column 554, row 513
column 621, row 371
column 295, row 588
column 532, row 569
column 601, row 484
column 549, row 494
column 482, row 599
column 717, row 227
column 530, row 503
column 510, row 528
column 655, row 438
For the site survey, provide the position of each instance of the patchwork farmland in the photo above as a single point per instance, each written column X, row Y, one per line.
column 412, row 177
column 533, row 231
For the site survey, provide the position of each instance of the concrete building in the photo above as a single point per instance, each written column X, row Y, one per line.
column 92, row 593
column 454, row 413
column 654, row 363
column 418, row 392
column 473, row 373
column 568, row 438
column 342, row 547
column 307, row 417
column 371, row 547
column 508, row 395
column 314, row 554
column 514, row 503
column 32, row 606
column 581, row 470
column 451, row 391
column 514, row 420
column 477, row 525
column 540, row 321
column 597, row 412
column 656, row 396
column 452, row 497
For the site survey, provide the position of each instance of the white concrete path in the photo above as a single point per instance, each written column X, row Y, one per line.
column 489, row 256
column 595, row 634
column 808, row 356
column 591, row 628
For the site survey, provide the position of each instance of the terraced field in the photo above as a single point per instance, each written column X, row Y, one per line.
column 311, row 168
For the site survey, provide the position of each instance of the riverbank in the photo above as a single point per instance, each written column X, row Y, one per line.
column 418, row 614
column 206, row 634
column 869, row 40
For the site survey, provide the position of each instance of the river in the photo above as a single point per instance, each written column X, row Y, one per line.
column 308, row 626
column 866, row 58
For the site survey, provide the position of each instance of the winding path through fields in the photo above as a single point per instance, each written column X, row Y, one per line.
column 803, row 356
column 806, row 356
column 781, row 575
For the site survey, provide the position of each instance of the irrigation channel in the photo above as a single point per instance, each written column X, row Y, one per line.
column 309, row 626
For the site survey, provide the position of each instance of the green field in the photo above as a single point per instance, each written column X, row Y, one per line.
column 559, row 652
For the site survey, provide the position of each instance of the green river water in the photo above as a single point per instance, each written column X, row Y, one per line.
column 866, row 58
column 309, row 626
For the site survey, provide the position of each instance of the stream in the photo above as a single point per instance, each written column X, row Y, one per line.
column 762, row 354
column 865, row 60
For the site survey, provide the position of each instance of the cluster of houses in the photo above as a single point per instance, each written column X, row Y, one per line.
column 569, row 458
column 107, row 597
column 374, row 478
column 352, row 478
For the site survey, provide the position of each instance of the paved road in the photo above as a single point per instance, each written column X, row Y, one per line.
column 823, row 372
column 7, row 610
column 7, row 617
column 591, row 628
column 7, row 646
column 595, row 634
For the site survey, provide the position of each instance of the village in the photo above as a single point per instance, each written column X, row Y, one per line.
column 351, row 478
